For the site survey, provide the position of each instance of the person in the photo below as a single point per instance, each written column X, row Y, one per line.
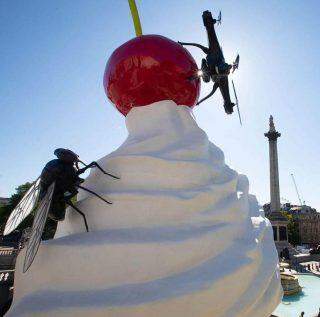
column 302, row 314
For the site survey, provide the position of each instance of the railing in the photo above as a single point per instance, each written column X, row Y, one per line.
column 8, row 258
column 6, row 251
column 6, row 276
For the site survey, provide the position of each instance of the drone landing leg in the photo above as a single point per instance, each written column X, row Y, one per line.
column 215, row 86
column 93, row 193
column 80, row 212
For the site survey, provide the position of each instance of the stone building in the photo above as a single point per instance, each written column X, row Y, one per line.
column 309, row 229
column 308, row 220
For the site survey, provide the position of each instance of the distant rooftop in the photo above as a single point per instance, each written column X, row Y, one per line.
column 291, row 208
column 304, row 209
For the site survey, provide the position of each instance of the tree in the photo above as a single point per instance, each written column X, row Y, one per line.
column 293, row 229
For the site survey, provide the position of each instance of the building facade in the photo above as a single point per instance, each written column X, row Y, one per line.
column 308, row 220
column 309, row 229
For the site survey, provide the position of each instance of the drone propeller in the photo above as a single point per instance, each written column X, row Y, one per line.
column 237, row 103
column 235, row 64
column 219, row 18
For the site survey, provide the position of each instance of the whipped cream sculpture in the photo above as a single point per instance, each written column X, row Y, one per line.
column 183, row 236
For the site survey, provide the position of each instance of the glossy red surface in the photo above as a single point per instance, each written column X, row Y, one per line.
column 150, row 68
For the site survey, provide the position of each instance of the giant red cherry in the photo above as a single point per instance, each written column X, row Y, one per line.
column 151, row 68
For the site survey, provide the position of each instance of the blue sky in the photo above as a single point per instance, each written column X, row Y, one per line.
column 53, row 55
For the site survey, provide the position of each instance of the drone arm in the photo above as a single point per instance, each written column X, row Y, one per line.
column 215, row 87
column 203, row 48
column 213, row 42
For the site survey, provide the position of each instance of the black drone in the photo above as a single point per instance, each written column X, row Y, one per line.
column 214, row 67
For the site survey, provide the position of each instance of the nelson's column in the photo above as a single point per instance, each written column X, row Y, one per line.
column 278, row 221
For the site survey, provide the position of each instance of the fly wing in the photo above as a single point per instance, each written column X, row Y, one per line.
column 37, row 228
column 24, row 207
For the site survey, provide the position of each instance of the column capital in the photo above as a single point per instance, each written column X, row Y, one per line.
column 272, row 134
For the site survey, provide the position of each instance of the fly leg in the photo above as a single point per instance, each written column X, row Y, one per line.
column 103, row 171
column 94, row 164
column 68, row 202
column 95, row 194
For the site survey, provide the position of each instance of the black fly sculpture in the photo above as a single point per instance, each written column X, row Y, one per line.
column 214, row 67
column 50, row 194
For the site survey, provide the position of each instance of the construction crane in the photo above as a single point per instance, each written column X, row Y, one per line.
column 295, row 185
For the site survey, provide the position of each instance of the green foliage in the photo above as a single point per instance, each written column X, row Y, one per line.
column 293, row 229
